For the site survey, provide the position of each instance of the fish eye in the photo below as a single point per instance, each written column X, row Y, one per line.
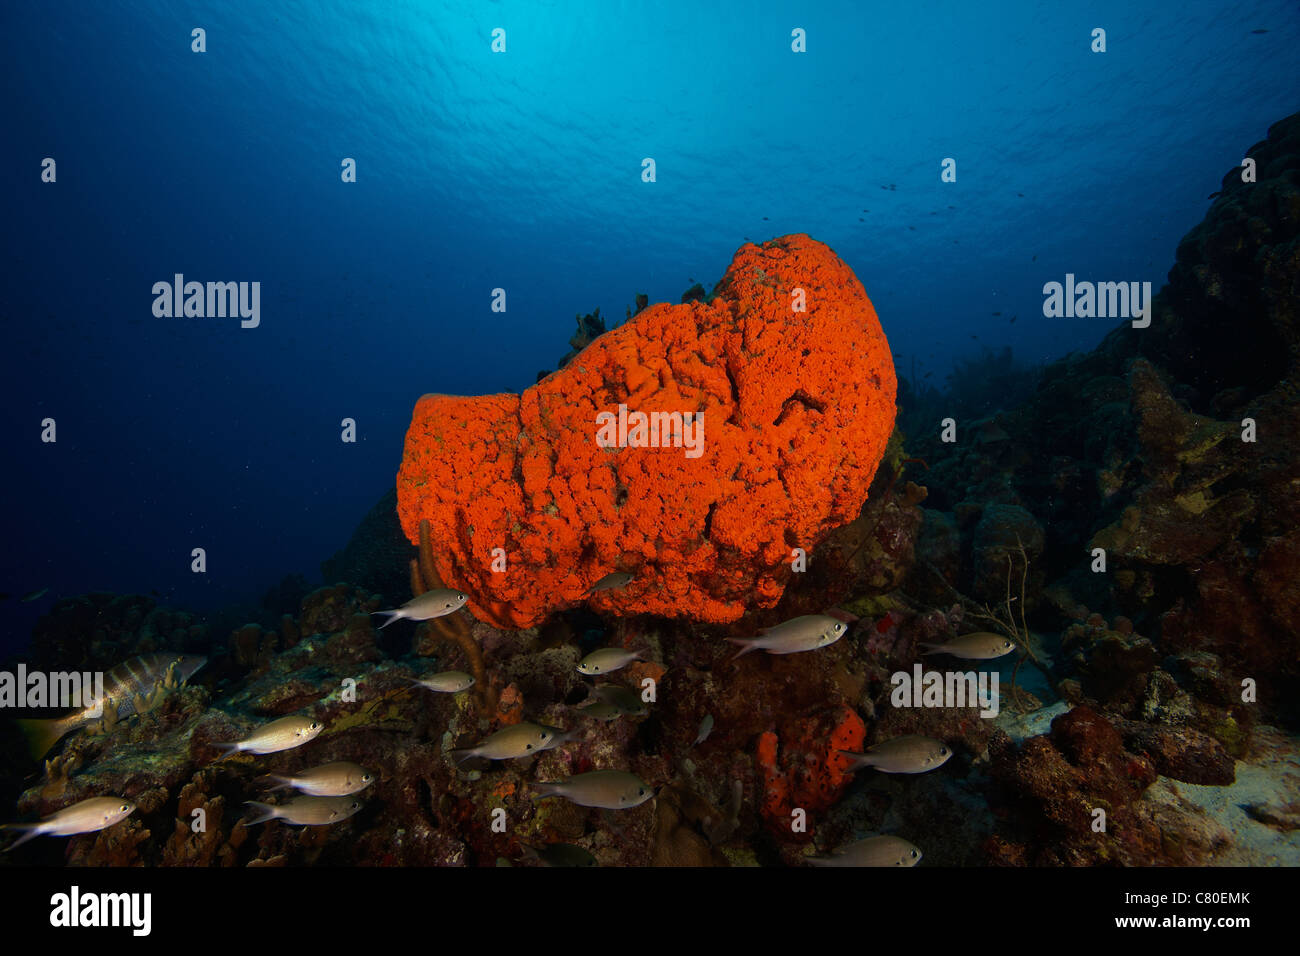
column 943, row 751
column 124, row 808
column 915, row 854
column 838, row 628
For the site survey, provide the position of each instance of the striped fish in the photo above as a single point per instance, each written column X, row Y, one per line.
column 137, row 677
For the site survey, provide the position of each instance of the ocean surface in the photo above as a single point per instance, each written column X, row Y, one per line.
column 522, row 170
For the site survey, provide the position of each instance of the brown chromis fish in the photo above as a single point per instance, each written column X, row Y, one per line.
column 706, row 728
column 607, row 659
column 436, row 603
column 126, row 682
column 980, row 646
column 283, row 734
column 623, row 699
column 306, row 811
column 446, row 682
column 614, row 581
column 337, row 779
column 910, row 754
column 806, row 633
column 559, row 854
column 509, row 743
column 610, row 789
column 97, row 813
column 873, row 851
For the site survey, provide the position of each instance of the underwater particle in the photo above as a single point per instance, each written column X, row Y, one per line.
column 806, row 633
column 609, row 789
column 605, row 660
column 305, row 811
column 431, row 604
column 445, row 682
column 338, row 779
column 128, row 683
column 97, row 813
column 910, row 754
column 283, row 734
column 614, row 581
column 527, row 472
column 509, row 743
column 872, row 851
column 979, row 646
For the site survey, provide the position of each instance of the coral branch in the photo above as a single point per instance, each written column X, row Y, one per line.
column 452, row 629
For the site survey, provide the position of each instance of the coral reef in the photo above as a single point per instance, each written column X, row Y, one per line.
column 797, row 407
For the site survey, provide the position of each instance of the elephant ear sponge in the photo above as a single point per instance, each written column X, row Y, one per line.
column 792, row 374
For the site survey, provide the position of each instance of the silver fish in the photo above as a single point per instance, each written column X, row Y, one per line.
column 306, row 811
column 517, row 740
column 337, row 779
column 873, row 851
column 980, row 646
column 706, row 728
column 283, row 734
column 806, row 633
column 624, row 699
column 446, row 682
column 33, row 596
column 139, row 676
column 614, row 581
column 607, row 659
column 599, row 710
column 910, row 754
column 97, row 813
column 610, row 789
column 436, row 603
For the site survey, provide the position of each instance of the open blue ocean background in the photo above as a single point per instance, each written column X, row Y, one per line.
column 522, row 170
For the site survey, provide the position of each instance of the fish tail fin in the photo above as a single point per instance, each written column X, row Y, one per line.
column 281, row 783
column 392, row 616
column 265, row 811
column 42, row 735
column 545, row 790
column 227, row 750
column 31, row 832
column 929, row 648
column 854, row 761
column 461, row 755
column 745, row 644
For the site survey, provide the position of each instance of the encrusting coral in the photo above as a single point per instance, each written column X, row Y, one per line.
column 791, row 371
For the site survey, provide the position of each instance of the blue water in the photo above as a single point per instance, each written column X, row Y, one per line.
column 522, row 170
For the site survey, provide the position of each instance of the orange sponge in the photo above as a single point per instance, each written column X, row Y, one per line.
column 533, row 498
